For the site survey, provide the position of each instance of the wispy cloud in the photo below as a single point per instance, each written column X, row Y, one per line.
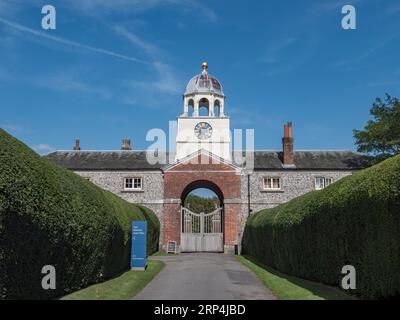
column 324, row 7
column 165, row 83
column 200, row 6
column 115, row 6
column 279, row 55
column 70, row 43
column 273, row 52
column 63, row 81
column 368, row 53
column 149, row 93
column 107, row 7
column 137, row 41
column 43, row 148
column 9, row 8
column 69, row 82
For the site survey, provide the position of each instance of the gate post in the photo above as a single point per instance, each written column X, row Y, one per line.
column 231, row 214
column 172, row 222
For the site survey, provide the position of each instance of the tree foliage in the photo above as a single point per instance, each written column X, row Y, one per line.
column 199, row 204
column 381, row 136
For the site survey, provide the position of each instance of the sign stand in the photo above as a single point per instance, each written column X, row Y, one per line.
column 138, row 248
column 171, row 247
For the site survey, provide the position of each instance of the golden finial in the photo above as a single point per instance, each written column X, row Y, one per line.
column 204, row 65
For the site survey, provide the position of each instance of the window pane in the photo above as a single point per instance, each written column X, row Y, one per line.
column 128, row 183
column 272, row 183
column 328, row 181
column 137, row 183
column 319, row 183
column 267, row 183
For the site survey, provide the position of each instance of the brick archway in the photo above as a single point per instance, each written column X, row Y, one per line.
column 207, row 172
column 206, row 184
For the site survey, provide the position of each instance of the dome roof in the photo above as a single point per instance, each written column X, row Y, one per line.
column 204, row 83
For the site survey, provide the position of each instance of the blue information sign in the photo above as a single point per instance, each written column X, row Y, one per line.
column 138, row 252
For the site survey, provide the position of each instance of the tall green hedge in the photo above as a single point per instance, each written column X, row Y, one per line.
column 355, row 221
column 51, row 216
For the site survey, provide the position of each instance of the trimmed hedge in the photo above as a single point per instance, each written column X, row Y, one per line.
column 355, row 221
column 51, row 216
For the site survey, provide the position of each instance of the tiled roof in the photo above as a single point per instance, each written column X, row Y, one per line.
column 263, row 160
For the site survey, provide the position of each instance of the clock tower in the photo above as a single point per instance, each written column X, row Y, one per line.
column 203, row 124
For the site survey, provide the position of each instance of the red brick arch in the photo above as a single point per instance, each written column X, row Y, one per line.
column 206, row 184
column 217, row 176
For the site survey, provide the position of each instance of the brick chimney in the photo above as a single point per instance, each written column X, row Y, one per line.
column 126, row 144
column 287, row 142
column 77, row 146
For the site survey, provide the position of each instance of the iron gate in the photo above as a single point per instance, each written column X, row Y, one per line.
column 201, row 232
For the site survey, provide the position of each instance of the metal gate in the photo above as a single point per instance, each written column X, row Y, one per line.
column 201, row 232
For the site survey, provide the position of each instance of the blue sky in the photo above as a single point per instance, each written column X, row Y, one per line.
column 115, row 69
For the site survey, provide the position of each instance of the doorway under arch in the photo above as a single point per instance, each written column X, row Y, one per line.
column 202, row 218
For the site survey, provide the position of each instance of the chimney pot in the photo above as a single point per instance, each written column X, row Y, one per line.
column 126, row 144
column 287, row 143
column 77, row 146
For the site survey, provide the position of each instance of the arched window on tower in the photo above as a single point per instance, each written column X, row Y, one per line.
column 204, row 106
column 217, row 108
column 190, row 107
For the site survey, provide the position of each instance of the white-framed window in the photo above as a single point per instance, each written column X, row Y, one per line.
column 133, row 183
column 272, row 183
column 322, row 182
column 328, row 181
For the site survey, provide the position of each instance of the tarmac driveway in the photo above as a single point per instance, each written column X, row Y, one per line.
column 204, row 276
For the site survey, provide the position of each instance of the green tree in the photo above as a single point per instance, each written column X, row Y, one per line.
column 198, row 204
column 381, row 136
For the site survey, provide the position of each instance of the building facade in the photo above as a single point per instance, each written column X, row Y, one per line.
column 203, row 159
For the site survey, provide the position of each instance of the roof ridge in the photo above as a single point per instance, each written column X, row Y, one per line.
column 87, row 151
column 233, row 151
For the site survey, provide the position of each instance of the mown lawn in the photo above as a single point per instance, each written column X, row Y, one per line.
column 124, row 287
column 286, row 287
column 163, row 254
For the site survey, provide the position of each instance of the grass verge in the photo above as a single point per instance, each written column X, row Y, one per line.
column 123, row 287
column 286, row 287
column 163, row 254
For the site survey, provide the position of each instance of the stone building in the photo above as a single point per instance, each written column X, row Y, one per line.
column 203, row 160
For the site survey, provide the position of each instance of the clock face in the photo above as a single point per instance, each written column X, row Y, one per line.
column 203, row 130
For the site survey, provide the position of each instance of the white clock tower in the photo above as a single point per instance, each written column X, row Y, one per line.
column 203, row 124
